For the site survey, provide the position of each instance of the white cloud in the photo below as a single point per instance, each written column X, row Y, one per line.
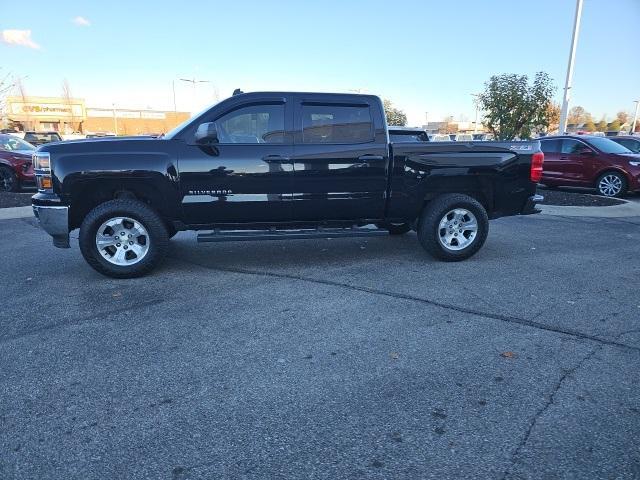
column 19, row 37
column 81, row 21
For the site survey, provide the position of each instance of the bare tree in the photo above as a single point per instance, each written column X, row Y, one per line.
column 68, row 100
column 23, row 95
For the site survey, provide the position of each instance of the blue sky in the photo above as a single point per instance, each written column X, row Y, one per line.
column 426, row 55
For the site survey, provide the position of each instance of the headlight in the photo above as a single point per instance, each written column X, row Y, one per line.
column 42, row 161
column 42, row 169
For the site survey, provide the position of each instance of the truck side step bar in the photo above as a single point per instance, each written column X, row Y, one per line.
column 251, row 235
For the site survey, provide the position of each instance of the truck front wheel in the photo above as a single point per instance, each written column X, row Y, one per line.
column 453, row 227
column 123, row 238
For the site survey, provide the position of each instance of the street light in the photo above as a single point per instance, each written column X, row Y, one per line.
column 572, row 55
column 192, row 81
column 635, row 117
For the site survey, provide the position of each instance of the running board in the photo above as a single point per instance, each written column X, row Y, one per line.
column 251, row 235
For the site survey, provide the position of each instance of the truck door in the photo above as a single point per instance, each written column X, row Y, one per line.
column 247, row 176
column 340, row 159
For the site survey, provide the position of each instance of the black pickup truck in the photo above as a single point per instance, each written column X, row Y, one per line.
column 277, row 165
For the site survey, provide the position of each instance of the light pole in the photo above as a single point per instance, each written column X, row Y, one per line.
column 115, row 120
column 193, row 81
column 475, row 101
column 173, row 87
column 572, row 55
column 635, row 117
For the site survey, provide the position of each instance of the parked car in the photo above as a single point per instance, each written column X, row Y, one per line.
column 440, row 137
column 16, row 168
column 482, row 137
column 632, row 142
column 40, row 138
column 312, row 165
column 407, row 134
column 588, row 161
column 464, row 137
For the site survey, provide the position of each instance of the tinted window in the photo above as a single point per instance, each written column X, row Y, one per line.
column 550, row 146
column 607, row 146
column 408, row 137
column 336, row 124
column 633, row 145
column 573, row 146
column 42, row 137
column 252, row 124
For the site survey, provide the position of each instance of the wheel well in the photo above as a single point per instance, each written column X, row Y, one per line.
column 611, row 170
column 475, row 194
column 90, row 196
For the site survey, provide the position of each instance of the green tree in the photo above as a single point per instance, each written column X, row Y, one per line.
column 614, row 126
column 602, row 126
column 513, row 107
column 395, row 116
column 590, row 126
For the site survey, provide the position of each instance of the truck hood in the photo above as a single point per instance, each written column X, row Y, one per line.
column 101, row 144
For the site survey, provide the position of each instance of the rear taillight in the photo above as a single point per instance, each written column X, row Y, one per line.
column 537, row 160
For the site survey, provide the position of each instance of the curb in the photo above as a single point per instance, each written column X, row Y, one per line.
column 16, row 212
column 628, row 209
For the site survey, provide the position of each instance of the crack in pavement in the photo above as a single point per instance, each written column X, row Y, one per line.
column 88, row 318
column 550, row 401
column 435, row 303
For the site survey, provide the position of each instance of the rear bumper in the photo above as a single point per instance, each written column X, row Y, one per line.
column 530, row 207
column 55, row 221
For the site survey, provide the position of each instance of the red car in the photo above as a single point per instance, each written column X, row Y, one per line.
column 16, row 168
column 588, row 161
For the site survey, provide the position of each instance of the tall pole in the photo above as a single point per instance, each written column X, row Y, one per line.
column 572, row 56
column 173, row 86
column 115, row 120
column 194, row 81
column 635, row 118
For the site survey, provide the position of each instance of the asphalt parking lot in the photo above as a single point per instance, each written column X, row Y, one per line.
column 332, row 359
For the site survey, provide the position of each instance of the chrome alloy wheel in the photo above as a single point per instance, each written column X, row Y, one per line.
column 457, row 229
column 122, row 241
column 610, row 185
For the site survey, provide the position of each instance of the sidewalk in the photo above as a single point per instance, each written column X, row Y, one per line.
column 15, row 212
column 628, row 209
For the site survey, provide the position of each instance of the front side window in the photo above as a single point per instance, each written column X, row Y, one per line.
column 573, row 146
column 336, row 124
column 252, row 124
column 550, row 146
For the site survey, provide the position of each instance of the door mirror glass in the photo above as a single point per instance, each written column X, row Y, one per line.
column 206, row 133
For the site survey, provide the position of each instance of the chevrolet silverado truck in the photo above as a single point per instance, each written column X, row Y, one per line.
column 276, row 166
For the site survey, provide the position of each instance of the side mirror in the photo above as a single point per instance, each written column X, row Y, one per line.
column 207, row 133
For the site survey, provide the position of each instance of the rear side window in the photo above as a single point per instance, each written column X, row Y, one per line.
column 336, row 124
column 550, row 146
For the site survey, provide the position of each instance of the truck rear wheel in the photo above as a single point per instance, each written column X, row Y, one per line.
column 453, row 227
column 123, row 238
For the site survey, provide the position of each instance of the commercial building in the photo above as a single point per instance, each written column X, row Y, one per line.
column 71, row 115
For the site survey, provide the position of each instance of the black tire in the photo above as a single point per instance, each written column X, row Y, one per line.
column 8, row 180
column 609, row 192
column 429, row 231
column 136, row 210
column 396, row 228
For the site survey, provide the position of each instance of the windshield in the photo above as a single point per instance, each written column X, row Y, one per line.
column 11, row 143
column 608, row 146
